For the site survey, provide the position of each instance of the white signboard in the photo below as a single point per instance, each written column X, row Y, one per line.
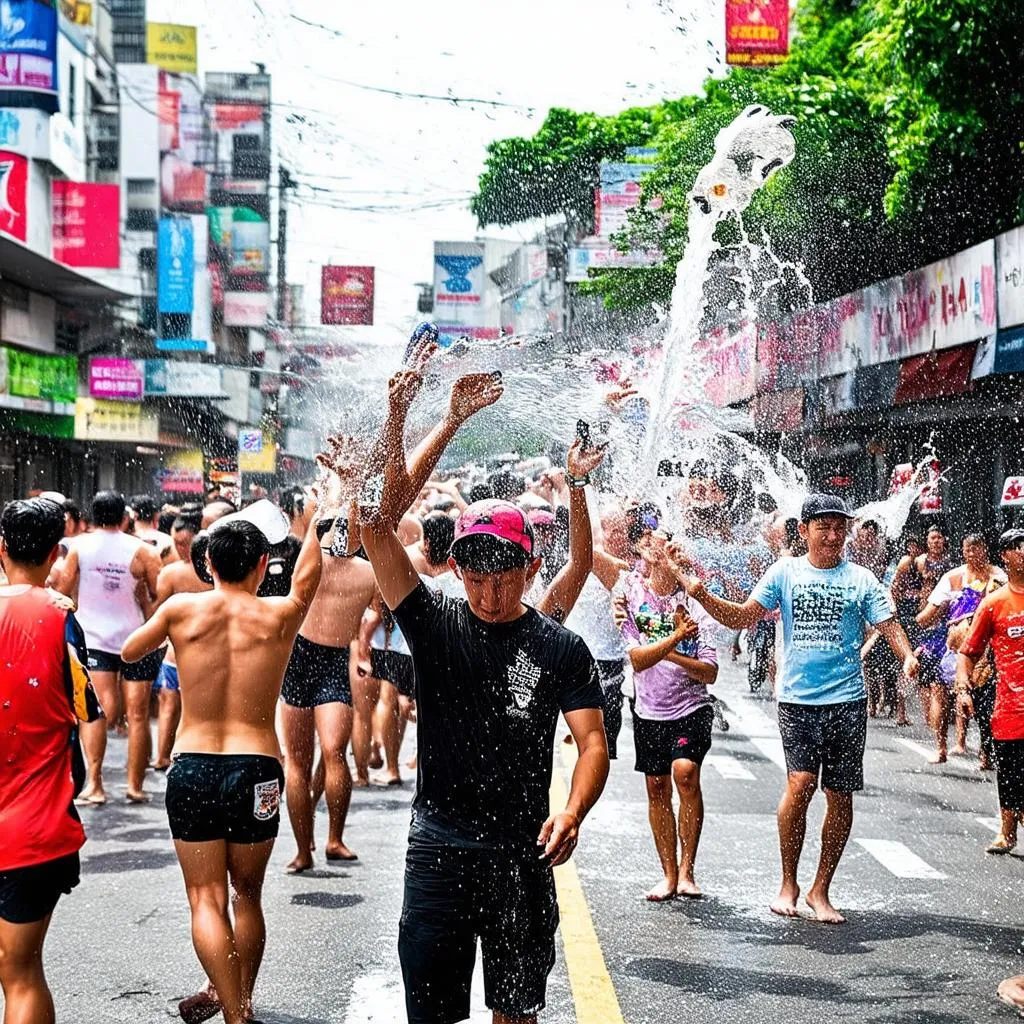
column 459, row 307
column 1013, row 491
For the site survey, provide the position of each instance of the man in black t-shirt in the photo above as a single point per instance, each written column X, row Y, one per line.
column 492, row 676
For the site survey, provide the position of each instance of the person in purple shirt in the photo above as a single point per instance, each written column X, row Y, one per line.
column 669, row 639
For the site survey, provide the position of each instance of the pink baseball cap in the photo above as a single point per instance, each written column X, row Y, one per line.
column 499, row 519
column 541, row 517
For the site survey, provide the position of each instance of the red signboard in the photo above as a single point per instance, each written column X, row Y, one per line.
column 756, row 31
column 346, row 295
column 85, row 224
column 168, row 106
column 14, row 195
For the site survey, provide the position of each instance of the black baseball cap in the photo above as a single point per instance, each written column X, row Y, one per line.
column 817, row 506
column 1011, row 540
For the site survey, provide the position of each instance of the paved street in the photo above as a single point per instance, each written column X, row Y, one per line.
column 934, row 923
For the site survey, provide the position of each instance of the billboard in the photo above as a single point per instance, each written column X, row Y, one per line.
column 250, row 243
column 619, row 192
column 31, row 375
column 171, row 47
column 604, row 256
column 756, row 31
column 98, row 420
column 168, row 378
column 182, row 186
column 459, row 292
column 116, row 379
column 246, row 309
column 346, row 295
column 174, row 264
column 1010, row 286
column 28, row 55
column 86, row 228
column 13, row 194
column 257, row 452
column 182, row 473
column 168, row 105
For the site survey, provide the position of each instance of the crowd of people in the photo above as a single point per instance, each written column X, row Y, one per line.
column 268, row 642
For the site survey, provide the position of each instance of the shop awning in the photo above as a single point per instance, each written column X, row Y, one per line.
column 935, row 375
column 24, row 266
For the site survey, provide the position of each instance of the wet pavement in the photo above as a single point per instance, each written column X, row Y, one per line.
column 934, row 923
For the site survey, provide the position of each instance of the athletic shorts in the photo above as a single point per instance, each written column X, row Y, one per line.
column 659, row 744
column 235, row 797
column 828, row 739
column 29, row 894
column 1010, row 774
column 316, row 674
column 396, row 669
column 504, row 895
column 167, row 678
column 144, row 671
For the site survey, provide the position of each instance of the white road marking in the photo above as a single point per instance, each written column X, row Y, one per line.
column 898, row 859
column 728, row 767
column 957, row 764
column 761, row 730
column 995, row 824
column 918, row 748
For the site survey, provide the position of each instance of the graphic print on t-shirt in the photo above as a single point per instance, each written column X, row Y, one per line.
column 818, row 614
column 523, row 677
column 654, row 626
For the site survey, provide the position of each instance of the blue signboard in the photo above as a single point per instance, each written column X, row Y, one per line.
column 175, row 270
column 28, row 54
column 1010, row 351
column 181, row 345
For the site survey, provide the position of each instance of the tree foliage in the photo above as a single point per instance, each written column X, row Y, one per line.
column 909, row 131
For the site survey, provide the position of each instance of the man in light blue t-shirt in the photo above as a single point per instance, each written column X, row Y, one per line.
column 827, row 605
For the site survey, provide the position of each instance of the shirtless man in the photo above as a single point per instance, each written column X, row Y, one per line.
column 224, row 789
column 175, row 578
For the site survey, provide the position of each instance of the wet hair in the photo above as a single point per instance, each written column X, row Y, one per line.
column 108, row 508
column 167, row 518
column 870, row 524
column 74, row 513
column 935, row 528
column 1012, row 540
column 32, row 529
column 197, row 556
column 635, row 526
column 976, row 538
column 438, row 534
column 143, row 506
column 483, row 553
column 480, row 492
column 507, row 486
column 235, row 549
column 726, row 482
column 186, row 522
column 913, row 538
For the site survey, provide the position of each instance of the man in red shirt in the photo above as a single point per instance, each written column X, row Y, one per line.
column 44, row 693
column 999, row 621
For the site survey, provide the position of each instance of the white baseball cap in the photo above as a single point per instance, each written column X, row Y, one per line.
column 264, row 515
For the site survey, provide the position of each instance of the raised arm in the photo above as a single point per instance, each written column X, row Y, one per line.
column 561, row 596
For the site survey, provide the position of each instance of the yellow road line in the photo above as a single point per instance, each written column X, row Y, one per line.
column 592, row 989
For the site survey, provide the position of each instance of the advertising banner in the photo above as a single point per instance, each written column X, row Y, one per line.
column 99, row 420
column 182, row 473
column 618, row 193
column 459, row 292
column 346, row 295
column 221, row 220
column 28, row 54
column 168, row 105
column 78, row 12
column 182, row 186
column 172, row 47
column 250, row 245
column 607, row 257
column 246, row 309
column 257, row 452
column 756, row 31
column 1013, row 491
column 116, row 379
column 1010, row 286
column 1009, row 357
column 174, row 264
column 13, row 193
column 166, row 377
column 53, row 378
column 86, row 228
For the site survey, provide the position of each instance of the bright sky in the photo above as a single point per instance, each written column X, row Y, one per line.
column 383, row 176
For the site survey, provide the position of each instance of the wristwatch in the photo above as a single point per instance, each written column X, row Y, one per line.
column 577, row 481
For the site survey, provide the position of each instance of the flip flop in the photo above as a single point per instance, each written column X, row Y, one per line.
column 198, row 1008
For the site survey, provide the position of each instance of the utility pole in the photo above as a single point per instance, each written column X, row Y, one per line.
column 284, row 182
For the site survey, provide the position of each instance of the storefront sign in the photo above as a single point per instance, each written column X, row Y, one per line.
column 174, row 265
column 182, row 186
column 250, row 246
column 246, row 309
column 86, row 229
column 256, row 456
column 30, row 375
column 1010, row 284
column 756, row 31
column 1013, row 491
column 618, row 193
column 182, row 473
column 99, row 420
column 1009, row 356
column 250, row 442
column 459, row 292
column 28, row 52
column 116, row 379
column 168, row 378
column 172, row 47
column 606, row 257
column 346, row 295
column 13, row 192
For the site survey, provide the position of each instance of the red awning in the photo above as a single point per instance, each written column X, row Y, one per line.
column 935, row 375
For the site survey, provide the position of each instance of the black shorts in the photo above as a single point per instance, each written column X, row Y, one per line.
column 235, row 797
column 828, row 739
column 316, row 674
column 396, row 668
column 453, row 894
column 1010, row 774
column 29, row 894
column 142, row 671
column 659, row 744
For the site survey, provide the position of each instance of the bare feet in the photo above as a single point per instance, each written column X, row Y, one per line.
column 939, row 758
column 300, row 864
column 665, row 890
column 360, row 782
column 689, row 888
column 388, row 779
column 376, row 760
column 95, row 796
column 823, row 909
column 959, row 751
column 785, row 903
column 1002, row 844
column 1011, row 992
column 339, row 851
column 137, row 797
column 200, row 1007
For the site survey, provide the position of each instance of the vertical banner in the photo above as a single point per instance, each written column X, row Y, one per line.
column 13, row 193
column 174, row 263
column 346, row 295
column 86, row 225
column 172, row 47
column 459, row 291
column 28, row 54
column 756, row 31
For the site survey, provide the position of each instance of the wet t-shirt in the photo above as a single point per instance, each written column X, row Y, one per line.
column 487, row 702
column 824, row 614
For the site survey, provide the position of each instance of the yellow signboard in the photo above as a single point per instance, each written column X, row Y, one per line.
column 77, row 11
column 262, row 461
column 99, row 420
column 172, row 47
